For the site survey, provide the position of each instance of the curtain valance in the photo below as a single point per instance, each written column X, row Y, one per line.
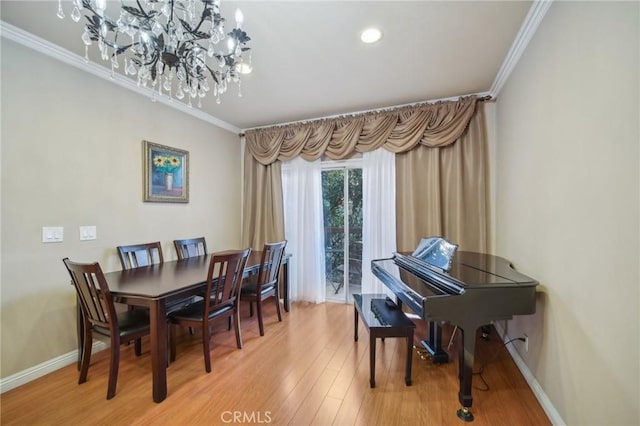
column 398, row 130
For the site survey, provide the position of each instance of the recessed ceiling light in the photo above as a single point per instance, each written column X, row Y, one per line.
column 370, row 35
column 244, row 68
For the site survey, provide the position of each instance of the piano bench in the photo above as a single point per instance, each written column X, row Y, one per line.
column 382, row 318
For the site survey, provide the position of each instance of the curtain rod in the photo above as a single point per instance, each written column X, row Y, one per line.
column 483, row 98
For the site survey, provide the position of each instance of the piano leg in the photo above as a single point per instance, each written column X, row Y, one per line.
column 434, row 344
column 465, row 371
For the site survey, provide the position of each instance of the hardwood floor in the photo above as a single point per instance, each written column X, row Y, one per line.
column 305, row 370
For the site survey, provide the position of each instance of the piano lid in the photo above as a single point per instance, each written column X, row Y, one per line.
column 474, row 270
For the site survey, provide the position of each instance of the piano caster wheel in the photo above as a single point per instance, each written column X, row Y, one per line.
column 465, row 414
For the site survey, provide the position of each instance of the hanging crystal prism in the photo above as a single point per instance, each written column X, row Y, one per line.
column 75, row 13
column 60, row 13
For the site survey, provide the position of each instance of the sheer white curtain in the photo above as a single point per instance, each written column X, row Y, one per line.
column 378, row 214
column 304, row 228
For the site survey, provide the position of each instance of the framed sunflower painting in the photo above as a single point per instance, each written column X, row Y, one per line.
column 166, row 173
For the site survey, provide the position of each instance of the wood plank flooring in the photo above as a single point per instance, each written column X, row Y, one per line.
column 306, row 370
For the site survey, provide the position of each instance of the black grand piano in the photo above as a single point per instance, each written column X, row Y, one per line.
column 470, row 290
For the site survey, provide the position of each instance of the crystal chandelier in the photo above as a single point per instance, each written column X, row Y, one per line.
column 173, row 46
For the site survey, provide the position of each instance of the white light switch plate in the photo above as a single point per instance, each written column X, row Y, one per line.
column 52, row 234
column 87, row 233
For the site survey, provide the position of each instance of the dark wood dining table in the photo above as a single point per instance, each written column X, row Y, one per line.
column 155, row 285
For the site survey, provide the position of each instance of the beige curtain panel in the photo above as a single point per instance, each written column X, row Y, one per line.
column 443, row 191
column 433, row 181
column 263, row 220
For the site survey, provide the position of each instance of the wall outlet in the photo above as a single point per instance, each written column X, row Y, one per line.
column 526, row 343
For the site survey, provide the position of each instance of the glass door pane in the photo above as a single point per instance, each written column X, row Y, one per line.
column 342, row 193
column 355, row 231
column 333, row 214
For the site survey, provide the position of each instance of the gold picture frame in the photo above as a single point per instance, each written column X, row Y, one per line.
column 165, row 173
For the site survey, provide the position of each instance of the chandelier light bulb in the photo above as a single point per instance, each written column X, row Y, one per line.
column 239, row 18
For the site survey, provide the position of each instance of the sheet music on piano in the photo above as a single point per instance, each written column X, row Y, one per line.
column 436, row 251
column 431, row 259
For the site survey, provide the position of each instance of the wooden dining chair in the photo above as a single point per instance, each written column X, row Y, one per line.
column 99, row 315
column 264, row 284
column 138, row 255
column 146, row 254
column 223, row 286
column 190, row 247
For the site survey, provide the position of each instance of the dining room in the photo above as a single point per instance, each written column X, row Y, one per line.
column 79, row 179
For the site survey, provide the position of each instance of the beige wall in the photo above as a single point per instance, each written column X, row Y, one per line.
column 567, row 206
column 71, row 156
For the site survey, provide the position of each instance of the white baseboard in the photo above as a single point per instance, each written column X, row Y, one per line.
column 537, row 390
column 45, row 368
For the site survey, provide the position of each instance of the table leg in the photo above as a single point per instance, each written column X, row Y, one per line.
column 158, row 340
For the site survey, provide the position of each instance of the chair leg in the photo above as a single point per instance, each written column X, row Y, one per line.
column 172, row 342
column 250, row 308
column 206, row 348
column 86, row 354
column 137, row 347
column 236, row 321
column 260, row 321
column 277, row 297
column 113, row 367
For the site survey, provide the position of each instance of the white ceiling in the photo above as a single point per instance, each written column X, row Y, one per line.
column 309, row 62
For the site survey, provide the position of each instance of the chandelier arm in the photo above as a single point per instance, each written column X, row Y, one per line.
column 213, row 74
column 170, row 20
column 97, row 18
column 139, row 12
column 203, row 18
column 86, row 4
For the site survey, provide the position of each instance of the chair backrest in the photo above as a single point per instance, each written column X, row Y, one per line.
column 225, row 278
column 269, row 271
column 137, row 255
column 93, row 294
column 191, row 247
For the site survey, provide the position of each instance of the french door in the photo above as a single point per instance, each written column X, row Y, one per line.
column 342, row 214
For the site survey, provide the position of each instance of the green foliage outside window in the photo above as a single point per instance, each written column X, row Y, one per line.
column 333, row 213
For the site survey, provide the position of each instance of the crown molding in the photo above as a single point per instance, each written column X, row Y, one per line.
column 45, row 47
column 531, row 22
